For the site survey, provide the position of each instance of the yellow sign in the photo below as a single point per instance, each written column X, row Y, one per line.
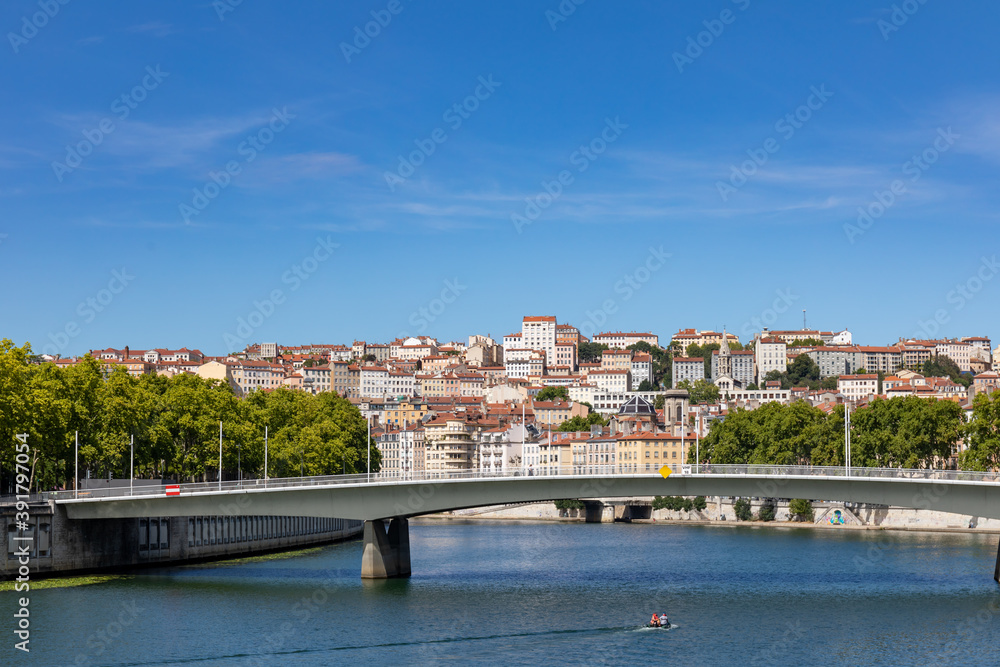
column 665, row 471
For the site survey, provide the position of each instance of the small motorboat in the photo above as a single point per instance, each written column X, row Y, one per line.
column 662, row 623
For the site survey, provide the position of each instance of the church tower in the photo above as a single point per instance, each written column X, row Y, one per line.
column 725, row 368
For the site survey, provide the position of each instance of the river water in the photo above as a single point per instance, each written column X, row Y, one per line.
column 532, row 593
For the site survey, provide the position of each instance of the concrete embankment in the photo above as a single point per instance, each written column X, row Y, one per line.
column 720, row 512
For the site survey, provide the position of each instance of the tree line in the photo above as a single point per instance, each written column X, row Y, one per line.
column 174, row 423
column 903, row 432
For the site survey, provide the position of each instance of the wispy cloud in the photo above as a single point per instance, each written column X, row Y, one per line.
column 155, row 28
column 89, row 41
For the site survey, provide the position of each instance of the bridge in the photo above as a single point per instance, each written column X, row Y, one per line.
column 376, row 499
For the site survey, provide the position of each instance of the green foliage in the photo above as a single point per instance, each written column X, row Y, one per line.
column 807, row 342
column 772, row 434
column 742, row 509
column 590, row 352
column 646, row 385
column 802, row 370
column 659, row 402
column 678, row 503
column 552, row 393
column 569, row 505
column 662, row 363
column 583, row 423
column 941, row 365
column 801, row 509
column 766, row 512
column 908, row 432
column 699, row 503
column 702, row 391
column 752, row 387
column 982, row 433
column 175, row 423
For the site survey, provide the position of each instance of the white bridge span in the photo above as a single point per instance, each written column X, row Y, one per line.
column 398, row 498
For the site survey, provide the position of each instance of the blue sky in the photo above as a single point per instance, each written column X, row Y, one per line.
column 618, row 101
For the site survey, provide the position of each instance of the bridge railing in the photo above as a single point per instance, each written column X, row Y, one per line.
column 553, row 471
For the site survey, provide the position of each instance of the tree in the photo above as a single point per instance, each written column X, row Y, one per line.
column 700, row 504
column 662, row 362
column 802, row 369
column 766, row 511
column 982, row 433
column 552, row 393
column 590, row 352
column 174, row 423
column 742, row 509
column 702, row 391
column 575, row 424
column 569, row 504
column 908, row 432
column 801, row 510
column 645, row 385
column 807, row 342
column 941, row 365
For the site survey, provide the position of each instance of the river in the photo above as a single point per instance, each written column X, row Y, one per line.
column 520, row 593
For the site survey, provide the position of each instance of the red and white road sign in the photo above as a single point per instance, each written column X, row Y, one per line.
column 173, row 490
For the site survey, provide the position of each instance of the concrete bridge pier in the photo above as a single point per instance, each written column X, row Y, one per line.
column 996, row 570
column 386, row 554
column 594, row 511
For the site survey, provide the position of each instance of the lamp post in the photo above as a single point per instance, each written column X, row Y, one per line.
column 697, row 443
column 220, row 455
column 369, row 446
column 265, row 457
column 76, row 464
column 847, row 439
column 239, row 464
column 131, row 463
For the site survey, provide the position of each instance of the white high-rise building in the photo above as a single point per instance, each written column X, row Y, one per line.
column 770, row 355
column 539, row 333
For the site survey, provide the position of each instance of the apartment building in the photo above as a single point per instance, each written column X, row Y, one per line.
column 345, row 379
column 770, row 354
column 835, row 361
column 619, row 340
column 316, row 379
column 539, row 333
column 691, row 369
column 450, row 444
column 642, row 368
column 550, row 414
column 648, row 452
column 882, row 359
column 614, row 381
column 858, row 387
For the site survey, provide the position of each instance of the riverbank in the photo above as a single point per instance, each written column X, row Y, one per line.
column 827, row 516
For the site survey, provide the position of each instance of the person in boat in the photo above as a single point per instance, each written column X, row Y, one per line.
column 655, row 621
column 664, row 621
